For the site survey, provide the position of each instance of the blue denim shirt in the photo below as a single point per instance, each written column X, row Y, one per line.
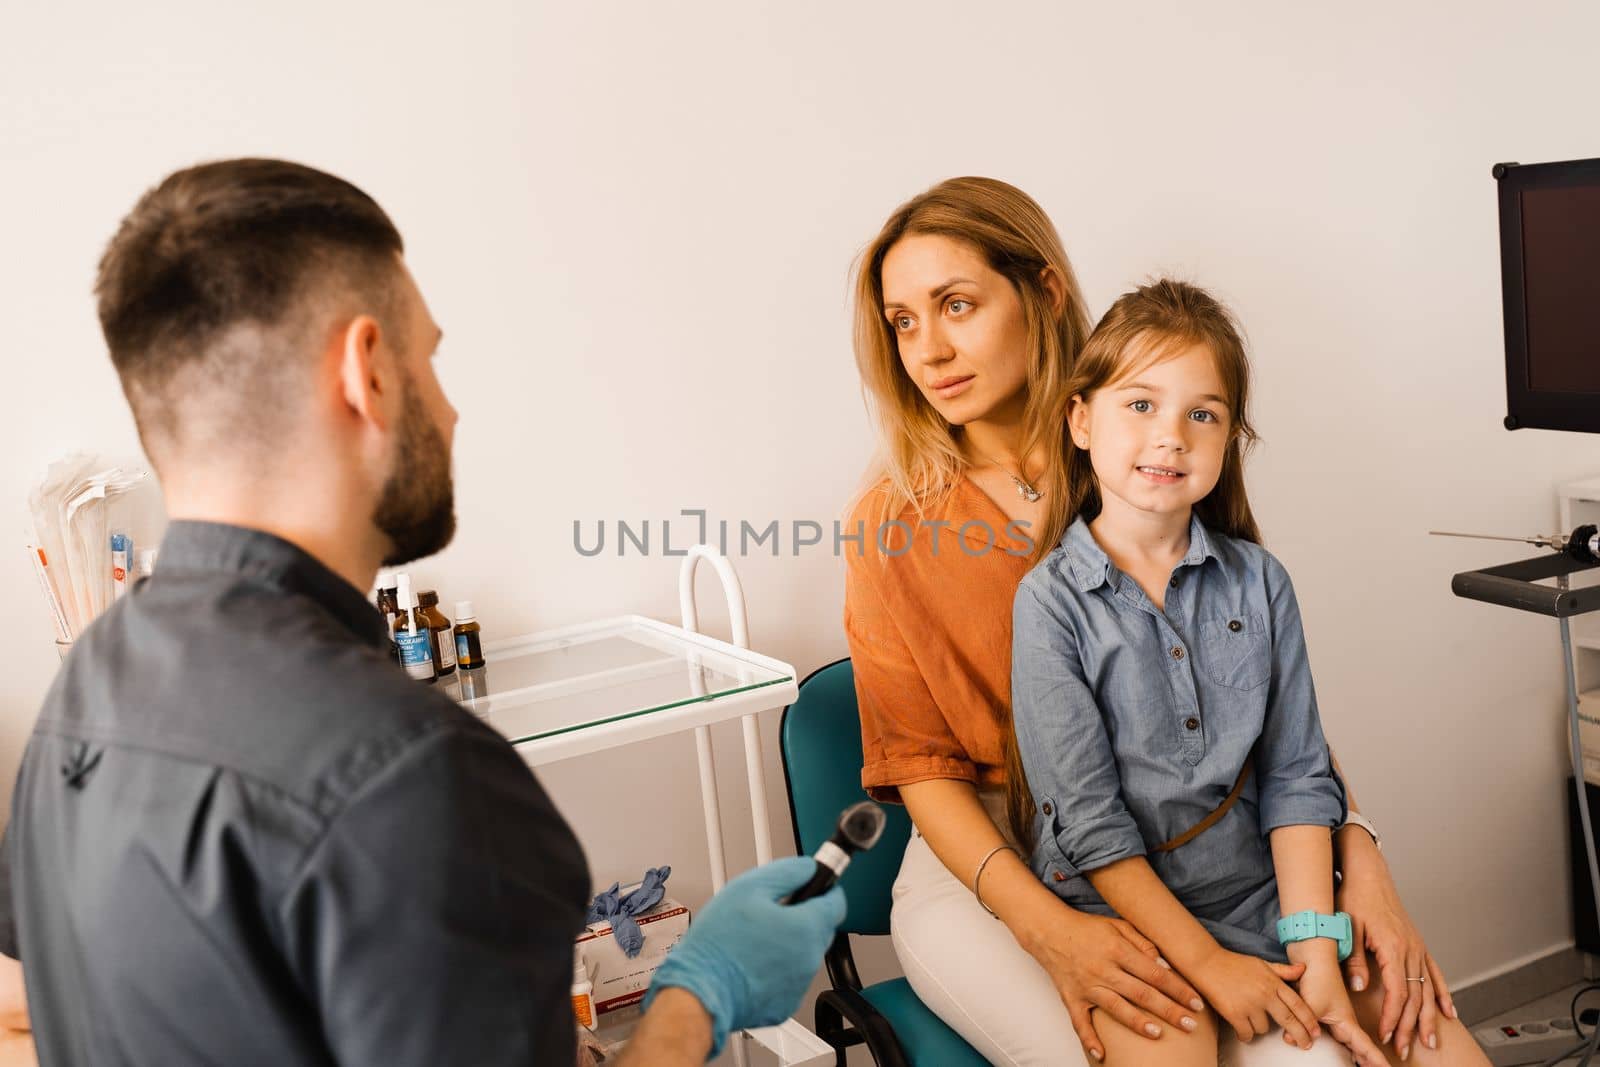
column 1133, row 725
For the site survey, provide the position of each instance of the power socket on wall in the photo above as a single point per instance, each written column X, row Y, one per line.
column 1528, row 1042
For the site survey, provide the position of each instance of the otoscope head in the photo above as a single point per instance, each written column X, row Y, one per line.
column 860, row 826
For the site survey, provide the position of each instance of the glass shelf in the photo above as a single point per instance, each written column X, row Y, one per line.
column 546, row 685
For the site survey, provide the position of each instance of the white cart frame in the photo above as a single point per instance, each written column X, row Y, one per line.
column 790, row 1042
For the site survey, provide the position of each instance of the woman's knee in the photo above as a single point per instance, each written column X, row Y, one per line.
column 1007, row 1009
column 1456, row 1045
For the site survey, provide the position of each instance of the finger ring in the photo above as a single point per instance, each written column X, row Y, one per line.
column 1424, row 978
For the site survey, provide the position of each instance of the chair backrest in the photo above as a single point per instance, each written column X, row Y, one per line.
column 821, row 742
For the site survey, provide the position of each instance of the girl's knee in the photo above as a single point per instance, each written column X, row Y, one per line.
column 1456, row 1045
column 1271, row 1050
column 1175, row 1047
column 1456, row 1049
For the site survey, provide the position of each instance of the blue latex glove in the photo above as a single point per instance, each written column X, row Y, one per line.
column 747, row 958
column 619, row 911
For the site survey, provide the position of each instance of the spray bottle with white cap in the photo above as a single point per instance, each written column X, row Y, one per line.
column 411, row 634
column 582, row 993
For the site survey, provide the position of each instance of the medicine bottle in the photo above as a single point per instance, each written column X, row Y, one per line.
column 412, row 636
column 389, row 607
column 444, row 646
column 469, row 636
column 582, row 993
column 475, row 689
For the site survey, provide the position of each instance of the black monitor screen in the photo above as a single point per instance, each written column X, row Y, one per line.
column 1561, row 283
column 1550, row 265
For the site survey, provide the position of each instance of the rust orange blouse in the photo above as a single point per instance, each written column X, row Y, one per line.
column 927, row 613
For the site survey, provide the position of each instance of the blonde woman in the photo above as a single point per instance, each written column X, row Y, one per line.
column 967, row 320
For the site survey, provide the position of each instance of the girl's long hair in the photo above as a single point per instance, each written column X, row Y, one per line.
column 920, row 456
column 1146, row 326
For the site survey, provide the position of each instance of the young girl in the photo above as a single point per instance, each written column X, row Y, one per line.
column 1162, row 698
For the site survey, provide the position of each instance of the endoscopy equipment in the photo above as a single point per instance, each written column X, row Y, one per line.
column 1550, row 283
column 1550, row 286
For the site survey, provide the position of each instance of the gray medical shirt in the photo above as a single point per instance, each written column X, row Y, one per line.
column 241, row 835
column 1134, row 722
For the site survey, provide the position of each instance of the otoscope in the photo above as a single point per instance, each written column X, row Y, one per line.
column 860, row 826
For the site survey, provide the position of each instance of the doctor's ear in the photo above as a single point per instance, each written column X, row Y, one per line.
column 366, row 369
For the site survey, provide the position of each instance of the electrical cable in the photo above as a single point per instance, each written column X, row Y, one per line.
column 1577, row 1024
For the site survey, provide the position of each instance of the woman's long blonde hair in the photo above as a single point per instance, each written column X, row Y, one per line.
column 920, row 454
column 1148, row 325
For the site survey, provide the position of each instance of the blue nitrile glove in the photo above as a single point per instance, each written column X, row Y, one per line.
column 747, row 958
column 619, row 910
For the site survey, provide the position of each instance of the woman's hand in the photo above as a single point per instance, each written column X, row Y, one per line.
column 1251, row 994
column 16, row 1043
column 1096, row 962
column 1382, row 927
column 1322, row 988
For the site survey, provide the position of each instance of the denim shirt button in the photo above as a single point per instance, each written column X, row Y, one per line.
column 1048, row 809
column 1173, row 584
column 1191, row 723
column 1177, row 653
column 1234, row 626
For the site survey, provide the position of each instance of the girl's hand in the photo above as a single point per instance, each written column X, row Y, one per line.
column 1250, row 994
column 1382, row 927
column 1096, row 962
column 1322, row 988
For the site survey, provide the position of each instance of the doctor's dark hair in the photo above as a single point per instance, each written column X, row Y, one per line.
column 212, row 278
column 1153, row 323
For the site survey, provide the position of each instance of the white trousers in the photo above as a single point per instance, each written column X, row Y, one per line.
column 970, row 971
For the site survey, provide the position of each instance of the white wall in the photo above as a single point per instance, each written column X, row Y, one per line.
column 634, row 222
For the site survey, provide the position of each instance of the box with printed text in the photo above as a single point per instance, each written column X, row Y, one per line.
column 619, row 981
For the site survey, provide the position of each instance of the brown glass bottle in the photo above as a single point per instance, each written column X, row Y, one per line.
column 444, row 645
column 389, row 608
column 469, row 637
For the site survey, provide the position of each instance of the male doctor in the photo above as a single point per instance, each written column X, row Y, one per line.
column 240, row 834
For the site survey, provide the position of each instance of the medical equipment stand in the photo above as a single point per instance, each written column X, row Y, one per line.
column 734, row 594
column 600, row 685
column 792, row 1043
column 1516, row 585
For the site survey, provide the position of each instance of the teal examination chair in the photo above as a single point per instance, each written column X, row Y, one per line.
column 821, row 741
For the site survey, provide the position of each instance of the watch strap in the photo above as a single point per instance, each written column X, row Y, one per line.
column 1355, row 818
column 1305, row 925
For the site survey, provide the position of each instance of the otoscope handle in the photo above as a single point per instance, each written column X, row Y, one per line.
column 821, row 881
column 831, row 862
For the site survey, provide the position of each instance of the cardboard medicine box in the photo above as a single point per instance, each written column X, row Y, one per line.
column 618, row 981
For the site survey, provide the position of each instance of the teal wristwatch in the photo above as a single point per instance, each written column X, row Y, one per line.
column 1304, row 925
